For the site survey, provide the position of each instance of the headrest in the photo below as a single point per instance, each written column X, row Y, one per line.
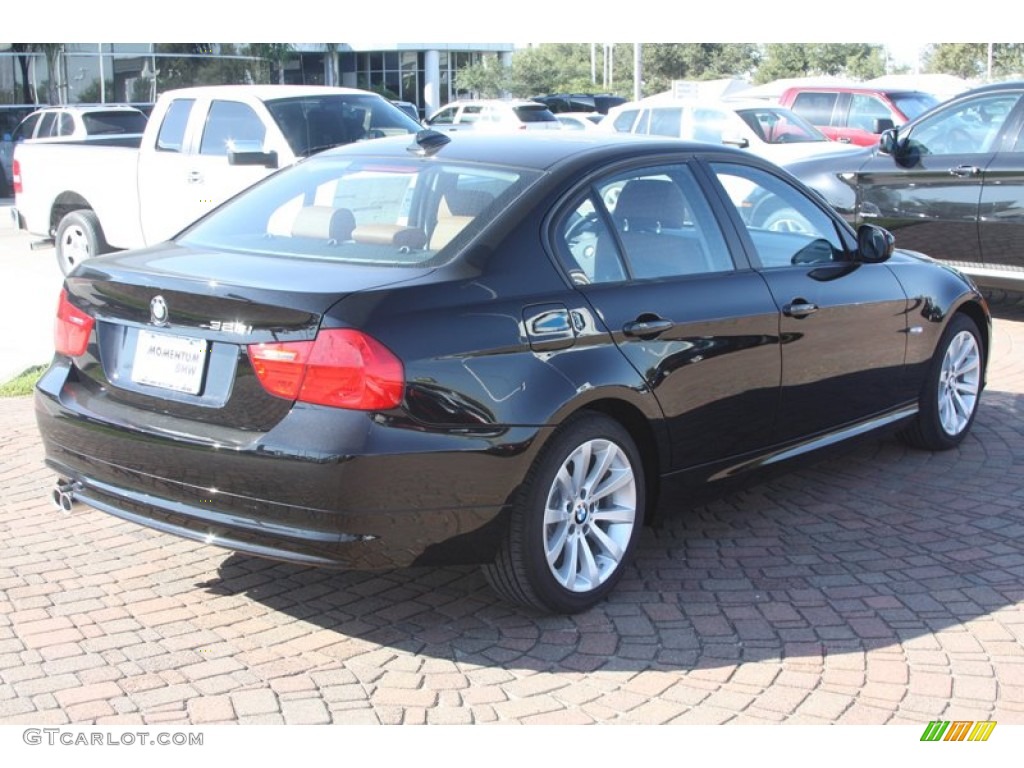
column 390, row 234
column 649, row 202
column 324, row 223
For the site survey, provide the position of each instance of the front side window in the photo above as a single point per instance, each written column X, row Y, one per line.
column 642, row 225
column 229, row 122
column 969, row 127
column 865, row 110
column 172, row 130
column 785, row 226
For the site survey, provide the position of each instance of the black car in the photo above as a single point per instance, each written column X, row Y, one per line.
column 950, row 184
column 580, row 102
column 491, row 349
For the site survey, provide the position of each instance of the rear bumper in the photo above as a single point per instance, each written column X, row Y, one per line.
column 325, row 487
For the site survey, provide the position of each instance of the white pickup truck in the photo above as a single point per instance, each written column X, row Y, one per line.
column 200, row 147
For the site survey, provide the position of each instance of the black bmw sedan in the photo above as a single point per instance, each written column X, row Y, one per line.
column 494, row 350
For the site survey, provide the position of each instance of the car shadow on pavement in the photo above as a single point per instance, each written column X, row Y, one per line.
column 880, row 546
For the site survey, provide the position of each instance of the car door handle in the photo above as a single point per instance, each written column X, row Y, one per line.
column 194, row 177
column 965, row 171
column 799, row 308
column 647, row 329
column 844, row 140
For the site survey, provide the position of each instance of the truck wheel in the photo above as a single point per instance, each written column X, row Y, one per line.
column 79, row 237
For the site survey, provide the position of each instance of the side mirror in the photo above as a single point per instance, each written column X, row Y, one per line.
column 250, row 153
column 883, row 124
column 736, row 141
column 874, row 244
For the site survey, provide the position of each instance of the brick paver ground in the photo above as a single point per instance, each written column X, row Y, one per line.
column 882, row 586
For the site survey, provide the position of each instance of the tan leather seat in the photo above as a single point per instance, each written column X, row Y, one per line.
column 456, row 210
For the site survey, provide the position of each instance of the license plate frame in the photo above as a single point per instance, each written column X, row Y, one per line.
column 169, row 361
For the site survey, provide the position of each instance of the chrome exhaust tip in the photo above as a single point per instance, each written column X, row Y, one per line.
column 63, row 496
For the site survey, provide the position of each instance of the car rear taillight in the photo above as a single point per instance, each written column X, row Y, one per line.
column 343, row 368
column 73, row 328
column 16, row 177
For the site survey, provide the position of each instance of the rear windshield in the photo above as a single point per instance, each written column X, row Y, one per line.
column 391, row 211
column 112, row 123
column 314, row 123
column 538, row 113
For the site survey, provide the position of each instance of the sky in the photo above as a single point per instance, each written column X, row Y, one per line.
column 454, row 21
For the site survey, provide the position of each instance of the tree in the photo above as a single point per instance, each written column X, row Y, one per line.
column 970, row 60
column 854, row 60
column 663, row 63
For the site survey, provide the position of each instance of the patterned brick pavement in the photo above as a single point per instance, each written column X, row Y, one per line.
column 882, row 586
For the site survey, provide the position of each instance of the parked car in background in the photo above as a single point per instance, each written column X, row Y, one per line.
column 950, row 184
column 201, row 146
column 493, row 115
column 473, row 352
column 10, row 116
column 580, row 102
column 409, row 108
column 579, row 121
column 78, row 122
column 763, row 129
column 856, row 115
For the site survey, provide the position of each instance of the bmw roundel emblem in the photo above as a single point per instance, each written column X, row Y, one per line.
column 158, row 311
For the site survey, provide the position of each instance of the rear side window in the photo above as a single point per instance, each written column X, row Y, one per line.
column 227, row 122
column 172, row 130
column 113, row 123
column 647, row 224
column 815, row 107
column 46, row 125
column 67, row 125
column 667, row 121
column 24, row 130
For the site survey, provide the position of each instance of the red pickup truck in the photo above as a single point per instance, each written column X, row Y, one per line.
column 856, row 115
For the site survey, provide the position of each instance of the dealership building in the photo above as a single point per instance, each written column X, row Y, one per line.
column 70, row 73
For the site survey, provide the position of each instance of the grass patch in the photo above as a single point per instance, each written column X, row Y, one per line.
column 23, row 383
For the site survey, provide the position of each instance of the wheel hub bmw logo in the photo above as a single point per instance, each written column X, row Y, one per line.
column 158, row 311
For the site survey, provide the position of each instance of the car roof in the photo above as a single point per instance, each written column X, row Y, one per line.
column 1007, row 85
column 541, row 150
column 88, row 108
column 268, row 92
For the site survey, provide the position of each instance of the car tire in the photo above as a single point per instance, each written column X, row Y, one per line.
column 787, row 220
column 952, row 389
column 575, row 521
column 79, row 237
